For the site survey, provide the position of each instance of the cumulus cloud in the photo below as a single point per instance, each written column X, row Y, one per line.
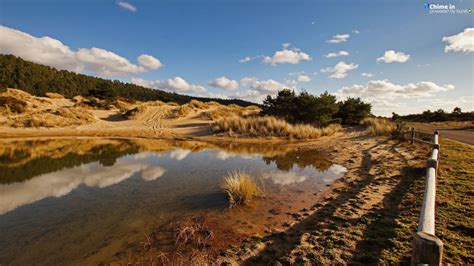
column 224, row 83
column 393, row 56
column 127, row 6
column 304, row 78
column 355, row 31
column 287, row 56
column 176, row 84
column 149, row 62
column 52, row 52
column 387, row 97
column 257, row 89
column 338, row 38
column 367, row 74
column 340, row 70
column 461, row 42
column 386, row 89
column 336, row 54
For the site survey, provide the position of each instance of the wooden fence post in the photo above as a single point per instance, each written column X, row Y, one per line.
column 412, row 135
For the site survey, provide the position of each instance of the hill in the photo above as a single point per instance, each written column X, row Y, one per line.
column 38, row 80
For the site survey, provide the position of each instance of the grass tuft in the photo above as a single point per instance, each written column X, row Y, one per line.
column 240, row 188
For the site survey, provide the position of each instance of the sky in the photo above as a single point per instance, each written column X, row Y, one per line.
column 402, row 56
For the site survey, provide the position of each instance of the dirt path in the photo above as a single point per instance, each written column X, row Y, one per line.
column 363, row 219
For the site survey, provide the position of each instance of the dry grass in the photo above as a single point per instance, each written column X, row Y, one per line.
column 9, row 104
column 59, row 118
column 268, row 126
column 54, row 95
column 379, row 126
column 240, row 188
column 221, row 111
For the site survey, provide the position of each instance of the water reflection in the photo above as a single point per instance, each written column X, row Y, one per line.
column 61, row 183
column 96, row 189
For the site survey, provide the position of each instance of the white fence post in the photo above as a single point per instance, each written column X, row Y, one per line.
column 427, row 248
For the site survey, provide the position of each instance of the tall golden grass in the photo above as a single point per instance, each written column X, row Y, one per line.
column 379, row 126
column 268, row 126
column 240, row 188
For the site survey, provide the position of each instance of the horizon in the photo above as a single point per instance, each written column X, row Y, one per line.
column 254, row 49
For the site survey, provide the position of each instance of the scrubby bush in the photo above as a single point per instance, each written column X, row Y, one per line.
column 353, row 110
column 317, row 110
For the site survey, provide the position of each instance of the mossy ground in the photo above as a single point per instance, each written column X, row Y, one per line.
column 455, row 202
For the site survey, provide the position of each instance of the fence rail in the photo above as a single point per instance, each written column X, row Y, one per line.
column 427, row 248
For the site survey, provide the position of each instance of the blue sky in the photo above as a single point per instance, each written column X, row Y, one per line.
column 192, row 43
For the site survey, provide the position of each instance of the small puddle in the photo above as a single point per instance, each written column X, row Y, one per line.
column 96, row 200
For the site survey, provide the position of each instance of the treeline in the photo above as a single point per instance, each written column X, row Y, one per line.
column 39, row 79
column 436, row 116
column 318, row 110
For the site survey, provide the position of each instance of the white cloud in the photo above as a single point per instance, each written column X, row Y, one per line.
column 386, row 89
column 367, row 74
column 336, row 54
column 52, row 52
column 338, row 38
column 176, row 84
column 287, row 56
column 461, row 42
column 340, row 70
column 393, row 56
column 387, row 97
column 127, row 6
column 304, row 78
column 257, row 89
column 149, row 62
column 248, row 80
column 224, row 83
column 106, row 63
column 355, row 31
column 246, row 59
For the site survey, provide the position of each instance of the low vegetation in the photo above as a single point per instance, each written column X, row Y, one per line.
column 240, row 188
column 439, row 115
column 268, row 126
column 454, row 203
column 379, row 126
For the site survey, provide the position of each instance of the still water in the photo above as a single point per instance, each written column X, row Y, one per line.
column 68, row 201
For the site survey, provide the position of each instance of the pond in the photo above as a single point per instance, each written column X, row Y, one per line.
column 93, row 201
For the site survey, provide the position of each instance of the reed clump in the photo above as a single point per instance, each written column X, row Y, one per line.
column 269, row 126
column 379, row 126
column 240, row 188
